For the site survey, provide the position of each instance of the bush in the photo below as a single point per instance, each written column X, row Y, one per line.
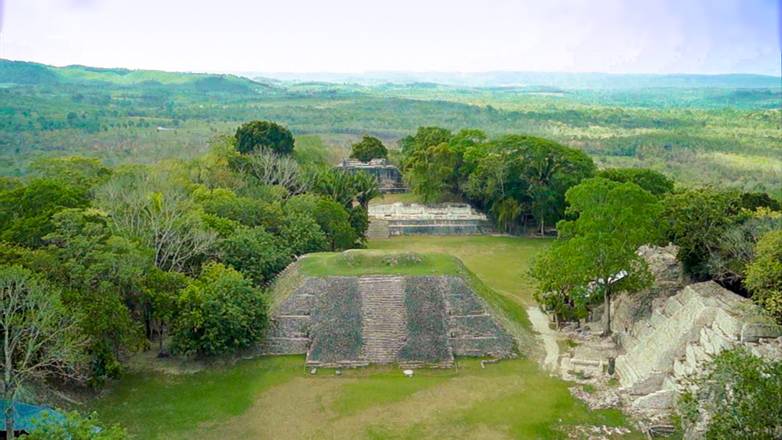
column 217, row 313
column 742, row 395
column 76, row 427
column 764, row 274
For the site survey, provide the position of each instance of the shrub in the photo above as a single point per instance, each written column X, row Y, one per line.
column 76, row 427
column 742, row 395
column 764, row 274
column 218, row 313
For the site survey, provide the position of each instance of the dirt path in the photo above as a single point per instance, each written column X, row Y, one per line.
column 549, row 337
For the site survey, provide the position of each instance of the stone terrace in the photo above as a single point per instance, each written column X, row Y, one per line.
column 415, row 219
column 410, row 321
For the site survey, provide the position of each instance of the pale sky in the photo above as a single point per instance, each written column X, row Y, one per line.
column 615, row 36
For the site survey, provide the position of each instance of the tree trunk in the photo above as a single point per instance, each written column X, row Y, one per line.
column 542, row 227
column 9, row 391
column 9, row 421
column 607, row 311
column 8, row 396
column 161, row 335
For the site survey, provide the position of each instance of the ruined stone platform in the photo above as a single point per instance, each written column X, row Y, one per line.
column 415, row 219
column 421, row 321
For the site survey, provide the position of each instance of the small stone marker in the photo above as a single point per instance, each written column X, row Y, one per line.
column 338, row 372
column 408, row 373
column 313, row 371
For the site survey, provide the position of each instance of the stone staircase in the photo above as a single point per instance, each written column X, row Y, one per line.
column 384, row 323
column 683, row 332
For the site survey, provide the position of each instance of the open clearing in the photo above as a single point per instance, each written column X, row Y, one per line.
column 276, row 397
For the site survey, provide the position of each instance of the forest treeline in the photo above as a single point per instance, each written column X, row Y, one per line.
column 699, row 135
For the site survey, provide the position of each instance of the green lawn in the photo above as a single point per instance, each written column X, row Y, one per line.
column 277, row 398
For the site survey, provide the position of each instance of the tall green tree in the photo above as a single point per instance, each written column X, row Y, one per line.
column 597, row 250
column 258, row 135
column 368, row 148
column 104, row 276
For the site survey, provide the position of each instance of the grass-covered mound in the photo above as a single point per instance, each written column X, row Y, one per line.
column 363, row 262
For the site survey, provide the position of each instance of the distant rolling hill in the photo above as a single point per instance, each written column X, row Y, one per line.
column 562, row 80
column 21, row 72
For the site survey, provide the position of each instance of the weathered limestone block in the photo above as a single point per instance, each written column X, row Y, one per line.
column 752, row 332
column 658, row 400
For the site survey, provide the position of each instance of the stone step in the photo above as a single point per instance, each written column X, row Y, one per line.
column 384, row 322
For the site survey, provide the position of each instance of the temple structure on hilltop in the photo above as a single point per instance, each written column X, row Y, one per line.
column 388, row 176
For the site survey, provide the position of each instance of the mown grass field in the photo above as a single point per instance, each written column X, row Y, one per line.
column 277, row 398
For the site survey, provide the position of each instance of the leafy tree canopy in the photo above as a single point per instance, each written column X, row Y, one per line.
column 258, row 135
column 219, row 312
column 368, row 148
column 598, row 247
column 650, row 180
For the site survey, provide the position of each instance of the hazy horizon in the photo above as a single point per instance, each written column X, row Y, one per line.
column 349, row 37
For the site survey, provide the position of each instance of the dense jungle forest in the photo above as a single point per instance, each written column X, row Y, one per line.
column 698, row 130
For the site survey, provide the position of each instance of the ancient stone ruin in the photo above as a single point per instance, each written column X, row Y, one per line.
column 664, row 336
column 388, row 176
column 411, row 321
column 412, row 219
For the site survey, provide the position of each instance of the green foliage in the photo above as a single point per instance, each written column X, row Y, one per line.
column 533, row 172
column 353, row 190
column 76, row 427
column 764, row 274
column 332, row 218
column 257, row 135
column 75, row 170
column 652, row 181
column 219, row 312
column 249, row 211
column 753, row 200
column 368, row 148
column 257, row 254
column 103, row 273
column 302, row 234
column 696, row 219
column 596, row 252
column 26, row 212
column 741, row 393
column 735, row 248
